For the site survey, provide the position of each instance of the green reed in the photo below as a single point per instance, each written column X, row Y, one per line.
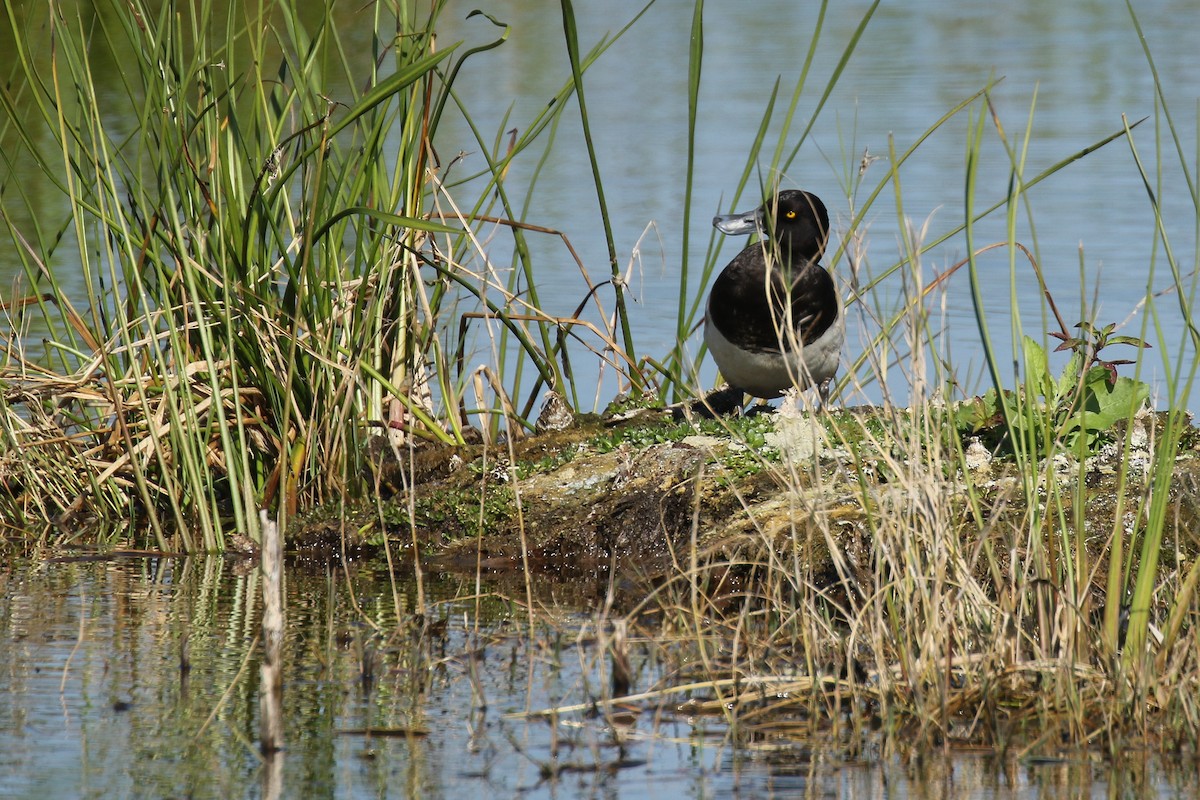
column 271, row 266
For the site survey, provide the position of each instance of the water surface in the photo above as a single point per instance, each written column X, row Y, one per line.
column 94, row 703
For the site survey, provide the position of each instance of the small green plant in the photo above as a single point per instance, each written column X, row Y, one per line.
column 1092, row 341
column 1076, row 408
column 468, row 513
column 547, row 463
column 751, row 430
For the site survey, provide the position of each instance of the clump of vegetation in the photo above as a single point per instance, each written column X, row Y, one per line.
column 273, row 267
column 1074, row 411
column 751, row 430
column 462, row 514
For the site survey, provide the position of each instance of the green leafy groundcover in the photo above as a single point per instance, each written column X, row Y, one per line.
column 1074, row 409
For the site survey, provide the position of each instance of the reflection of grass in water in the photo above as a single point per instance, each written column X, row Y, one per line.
column 272, row 280
column 354, row 661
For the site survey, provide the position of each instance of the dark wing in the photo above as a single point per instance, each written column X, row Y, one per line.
column 740, row 308
column 814, row 302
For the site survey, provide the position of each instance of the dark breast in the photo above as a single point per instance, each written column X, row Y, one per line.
column 740, row 308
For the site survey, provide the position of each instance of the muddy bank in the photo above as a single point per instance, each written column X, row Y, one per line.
column 644, row 492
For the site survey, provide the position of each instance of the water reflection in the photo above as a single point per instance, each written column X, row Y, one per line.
column 138, row 677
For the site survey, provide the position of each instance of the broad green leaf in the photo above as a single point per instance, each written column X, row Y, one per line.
column 1037, row 369
column 1068, row 382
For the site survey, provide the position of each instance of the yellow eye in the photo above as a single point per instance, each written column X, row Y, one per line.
column 790, row 214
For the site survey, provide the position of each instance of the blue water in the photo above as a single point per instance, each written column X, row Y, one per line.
column 1068, row 71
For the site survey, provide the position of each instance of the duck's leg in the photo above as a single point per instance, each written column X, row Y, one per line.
column 823, row 389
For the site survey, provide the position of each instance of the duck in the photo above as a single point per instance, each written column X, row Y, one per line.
column 774, row 319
